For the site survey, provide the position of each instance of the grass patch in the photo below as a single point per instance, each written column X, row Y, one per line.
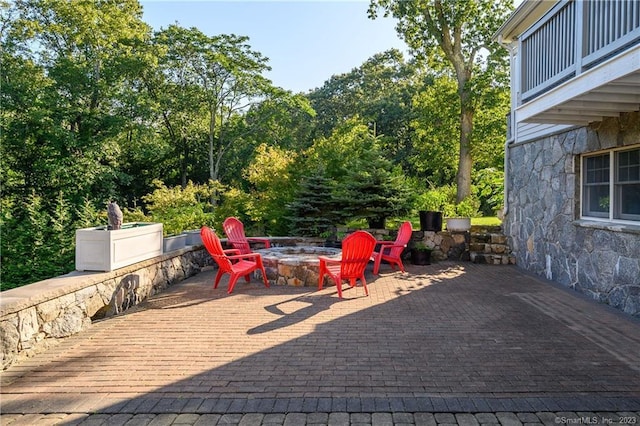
column 394, row 223
column 486, row 221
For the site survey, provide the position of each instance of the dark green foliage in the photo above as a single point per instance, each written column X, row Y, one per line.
column 490, row 185
column 38, row 237
column 314, row 211
column 379, row 93
column 374, row 192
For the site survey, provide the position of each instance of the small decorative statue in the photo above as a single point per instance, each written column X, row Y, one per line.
column 115, row 216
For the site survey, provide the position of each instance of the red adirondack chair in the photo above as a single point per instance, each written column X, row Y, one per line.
column 391, row 251
column 356, row 254
column 243, row 264
column 234, row 229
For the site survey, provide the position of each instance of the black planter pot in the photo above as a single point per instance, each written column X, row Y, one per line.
column 430, row 221
column 376, row 223
column 420, row 257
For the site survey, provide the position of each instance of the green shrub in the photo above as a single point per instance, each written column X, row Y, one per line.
column 38, row 237
column 234, row 202
column 465, row 208
column 436, row 199
column 490, row 186
column 180, row 209
column 443, row 199
column 135, row 215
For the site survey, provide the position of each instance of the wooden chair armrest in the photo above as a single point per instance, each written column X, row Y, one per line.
column 258, row 239
column 231, row 251
column 329, row 260
column 265, row 241
column 390, row 246
column 244, row 256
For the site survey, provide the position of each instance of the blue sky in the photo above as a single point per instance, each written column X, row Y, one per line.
column 306, row 41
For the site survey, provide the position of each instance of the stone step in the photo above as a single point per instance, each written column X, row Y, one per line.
column 493, row 238
column 492, row 259
column 478, row 229
column 489, row 248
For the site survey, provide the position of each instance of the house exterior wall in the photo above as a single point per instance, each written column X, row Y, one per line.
column 547, row 236
column 534, row 131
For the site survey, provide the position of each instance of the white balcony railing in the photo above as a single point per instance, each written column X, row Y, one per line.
column 573, row 37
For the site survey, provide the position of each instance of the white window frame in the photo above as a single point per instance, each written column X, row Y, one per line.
column 614, row 201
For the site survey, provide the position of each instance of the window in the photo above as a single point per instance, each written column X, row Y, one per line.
column 611, row 185
column 627, row 185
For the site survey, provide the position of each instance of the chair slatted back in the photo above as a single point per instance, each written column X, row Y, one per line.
column 214, row 247
column 234, row 229
column 404, row 235
column 356, row 253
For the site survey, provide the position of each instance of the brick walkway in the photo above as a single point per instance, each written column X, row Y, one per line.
column 445, row 344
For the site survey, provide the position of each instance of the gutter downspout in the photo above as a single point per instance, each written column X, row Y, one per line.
column 511, row 48
column 505, row 208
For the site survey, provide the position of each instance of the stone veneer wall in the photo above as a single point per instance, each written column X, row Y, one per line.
column 599, row 259
column 38, row 315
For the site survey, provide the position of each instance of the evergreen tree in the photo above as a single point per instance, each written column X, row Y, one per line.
column 314, row 210
column 374, row 192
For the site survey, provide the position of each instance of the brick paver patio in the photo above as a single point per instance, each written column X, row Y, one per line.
column 446, row 343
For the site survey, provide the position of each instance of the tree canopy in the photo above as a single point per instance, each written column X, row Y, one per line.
column 457, row 36
column 98, row 107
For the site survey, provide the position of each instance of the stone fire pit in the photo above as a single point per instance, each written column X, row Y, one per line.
column 298, row 266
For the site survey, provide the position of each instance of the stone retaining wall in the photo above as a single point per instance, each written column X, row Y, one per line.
column 35, row 316
column 444, row 244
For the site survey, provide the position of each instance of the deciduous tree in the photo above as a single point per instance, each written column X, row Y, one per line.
column 455, row 35
column 272, row 177
column 379, row 92
column 69, row 66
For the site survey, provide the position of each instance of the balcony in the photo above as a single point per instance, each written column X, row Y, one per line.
column 577, row 61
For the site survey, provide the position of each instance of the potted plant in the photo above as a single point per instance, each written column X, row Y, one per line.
column 459, row 215
column 421, row 254
column 430, row 206
column 430, row 220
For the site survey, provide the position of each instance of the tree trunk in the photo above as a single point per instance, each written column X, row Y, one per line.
column 465, row 162
column 212, row 127
column 184, row 162
column 212, row 169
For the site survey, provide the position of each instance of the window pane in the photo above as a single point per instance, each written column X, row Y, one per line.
column 630, row 201
column 596, row 186
column 623, row 174
column 623, row 159
column 628, row 166
column 596, row 201
column 597, row 169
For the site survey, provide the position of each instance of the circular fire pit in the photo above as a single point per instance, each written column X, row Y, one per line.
column 298, row 266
